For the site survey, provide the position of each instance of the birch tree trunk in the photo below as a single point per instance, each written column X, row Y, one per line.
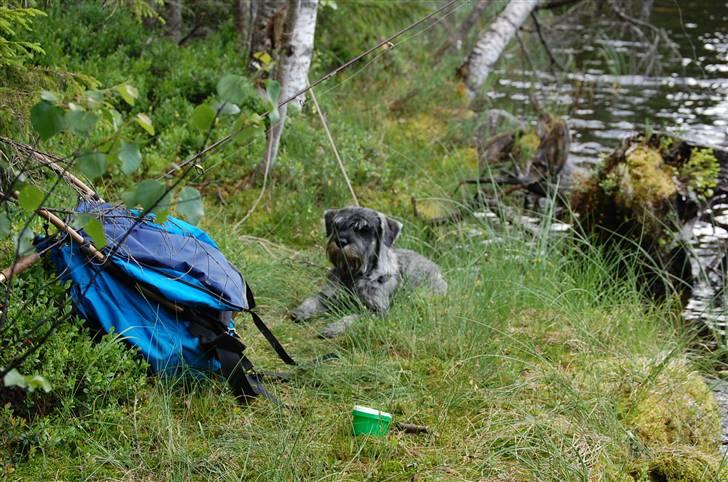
column 267, row 27
column 295, row 61
column 492, row 43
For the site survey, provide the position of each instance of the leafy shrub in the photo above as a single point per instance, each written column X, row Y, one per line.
column 85, row 374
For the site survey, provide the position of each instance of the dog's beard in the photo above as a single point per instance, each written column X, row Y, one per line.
column 347, row 259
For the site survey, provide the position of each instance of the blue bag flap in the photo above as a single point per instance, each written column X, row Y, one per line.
column 176, row 250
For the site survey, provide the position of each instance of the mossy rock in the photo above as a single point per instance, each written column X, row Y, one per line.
column 679, row 465
column 678, row 409
column 644, row 182
column 677, row 422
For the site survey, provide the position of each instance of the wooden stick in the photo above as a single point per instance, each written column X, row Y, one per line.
column 411, row 428
column 45, row 159
column 89, row 248
column 25, row 263
column 22, row 264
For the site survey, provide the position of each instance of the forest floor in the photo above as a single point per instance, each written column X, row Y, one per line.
column 541, row 363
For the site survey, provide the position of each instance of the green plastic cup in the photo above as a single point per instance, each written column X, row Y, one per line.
column 370, row 421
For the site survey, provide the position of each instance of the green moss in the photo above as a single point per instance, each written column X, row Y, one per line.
column 675, row 419
column 679, row 408
column 680, row 465
column 700, row 173
column 527, row 144
column 645, row 181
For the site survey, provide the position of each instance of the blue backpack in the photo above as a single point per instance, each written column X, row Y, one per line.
column 168, row 291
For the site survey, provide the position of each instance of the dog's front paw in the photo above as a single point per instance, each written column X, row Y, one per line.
column 337, row 328
column 309, row 308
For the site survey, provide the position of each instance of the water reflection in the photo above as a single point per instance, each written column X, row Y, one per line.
column 607, row 99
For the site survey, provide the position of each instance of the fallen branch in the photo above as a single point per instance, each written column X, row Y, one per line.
column 456, row 37
column 49, row 161
column 541, row 38
column 492, row 43
column 411, row 428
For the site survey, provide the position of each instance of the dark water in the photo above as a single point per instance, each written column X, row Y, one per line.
column 611, row 96
column 616, row 93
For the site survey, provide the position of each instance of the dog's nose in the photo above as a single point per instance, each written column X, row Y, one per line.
column 341, row 242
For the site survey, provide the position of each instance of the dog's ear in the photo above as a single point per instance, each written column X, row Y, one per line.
column 391, row 228
column 329, row 221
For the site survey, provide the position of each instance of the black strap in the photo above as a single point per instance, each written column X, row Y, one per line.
column 272, row 340
column 238, row 370
column 234, row 372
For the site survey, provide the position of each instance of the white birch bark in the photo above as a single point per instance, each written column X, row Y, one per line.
column 493, row 42
column 296, row 56
column 295, row 61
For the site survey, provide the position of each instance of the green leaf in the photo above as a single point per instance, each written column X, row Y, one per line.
column 146, row 123
column 161, row 216
column 274, row 116
column 5, row 226
column 92, row 164
column 24, row 241
column 189, row 205
column 130, row 157
column 202, row 117
column 233, row 88
column 49, row 96
column 30, row 198
column 150, row 192
column 147, row 193
column 95, row 229
column 13, row 378
column 80, row 122
column 128, row 93
column 38, row 381
column 273, row 90
column 226, row 108
column 47, row 119
column 114, row 117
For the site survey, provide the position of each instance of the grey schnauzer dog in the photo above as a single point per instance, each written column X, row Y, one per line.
column 359, row 245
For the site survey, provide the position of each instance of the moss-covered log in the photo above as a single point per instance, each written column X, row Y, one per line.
column 646, row 195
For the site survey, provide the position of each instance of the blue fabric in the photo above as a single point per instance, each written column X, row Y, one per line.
column 162, row 338
column 176, row 260
column 174, row 245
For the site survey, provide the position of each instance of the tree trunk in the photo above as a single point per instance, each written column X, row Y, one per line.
column 174, row 19
column 295, row 61
column 267, row 29
column 492, row 43
column 463, row 31
column 241, row 12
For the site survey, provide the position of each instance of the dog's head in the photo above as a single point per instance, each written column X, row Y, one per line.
column 356, row 237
